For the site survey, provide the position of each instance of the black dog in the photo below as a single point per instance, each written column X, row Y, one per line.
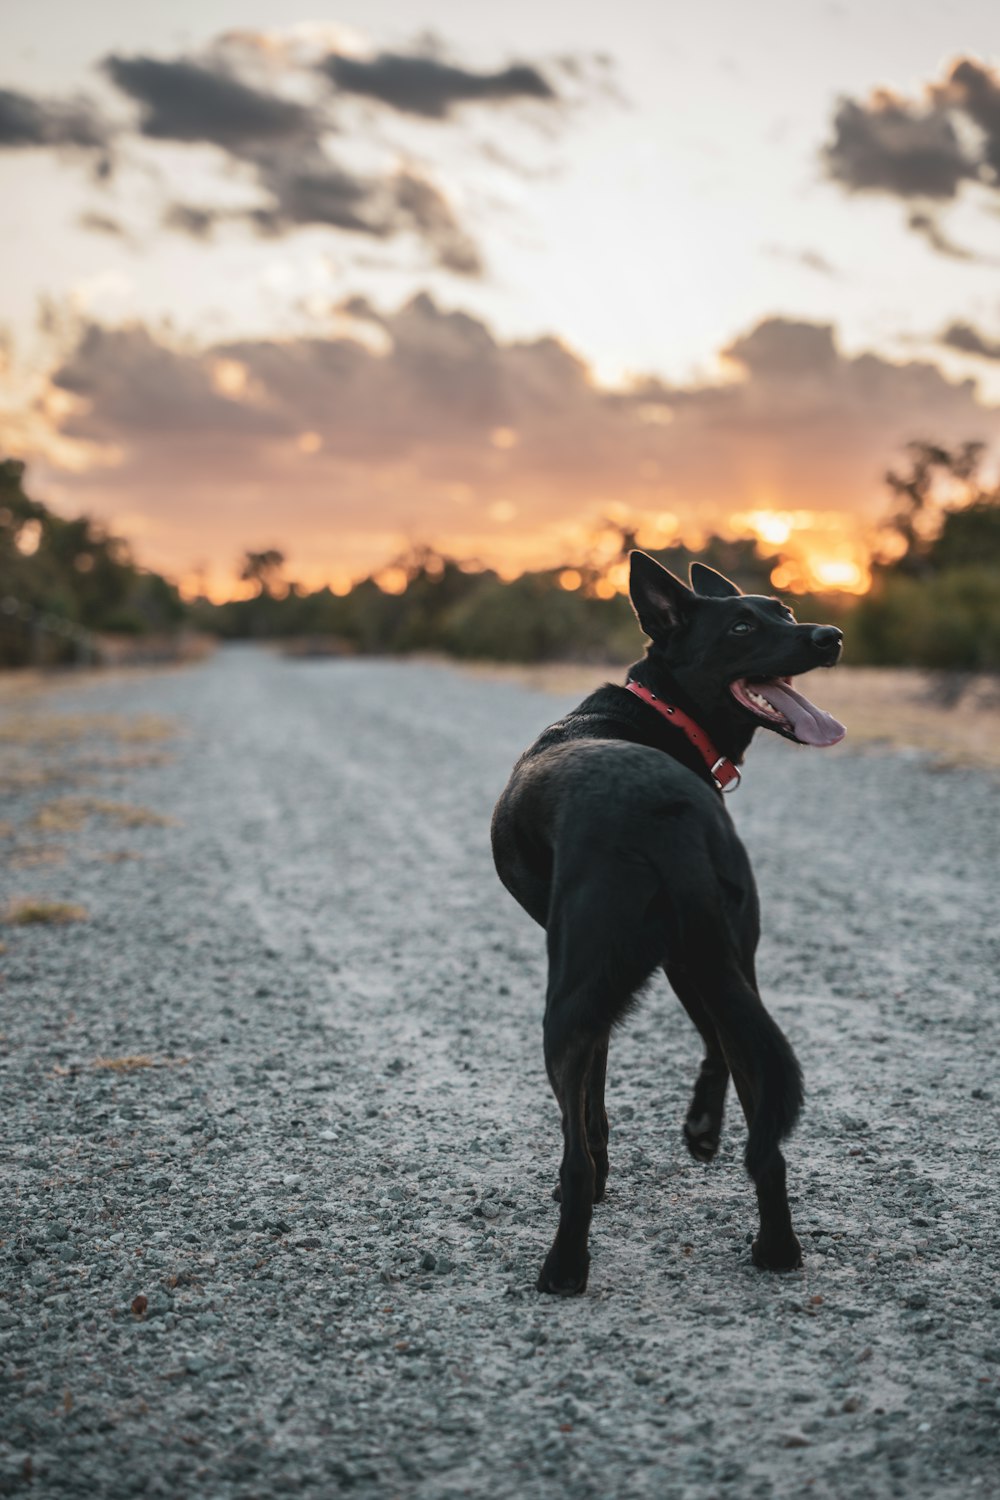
column 613, row 835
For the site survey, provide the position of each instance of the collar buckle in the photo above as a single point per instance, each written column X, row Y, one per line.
column 731, row 776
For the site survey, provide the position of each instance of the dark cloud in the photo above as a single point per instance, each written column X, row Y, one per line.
column 192, row 100
column 926, row 149
column 202, row 100
column 208, row 99
column 968, row 340
column 27, row 121
column 135, row 384
column 420, row 85
column 975, row 91
column 314, row 190
column 783, row 349
column 889, row 146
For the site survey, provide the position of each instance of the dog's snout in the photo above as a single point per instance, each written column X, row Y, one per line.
column 828, row 640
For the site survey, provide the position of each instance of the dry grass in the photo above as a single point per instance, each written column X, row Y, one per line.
column 896, row 707
column 33, row 855
column 26, row 777
column 131, row 1063
column 21, row 728
column 124, row 1064
column 69, row 814
column 30, row 912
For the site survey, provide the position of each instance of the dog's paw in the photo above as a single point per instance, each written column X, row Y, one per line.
column 783, row 1255
column 701, row 1135
column 560, row 1278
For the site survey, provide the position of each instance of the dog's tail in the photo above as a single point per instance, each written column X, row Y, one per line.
column 776, row 1083
column 754, row 1045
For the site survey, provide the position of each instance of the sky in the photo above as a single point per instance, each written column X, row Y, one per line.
column 483, row 277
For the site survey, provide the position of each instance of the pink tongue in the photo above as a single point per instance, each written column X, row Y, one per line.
column 811, row 725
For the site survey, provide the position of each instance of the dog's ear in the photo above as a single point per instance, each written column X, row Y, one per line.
column 711, row 585
column 659, row 599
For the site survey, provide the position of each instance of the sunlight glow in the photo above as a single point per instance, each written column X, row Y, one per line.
column 230, row 378
column 392, row 580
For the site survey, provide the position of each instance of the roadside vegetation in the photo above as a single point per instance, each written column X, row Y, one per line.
column 66, row 583
column 934, row 601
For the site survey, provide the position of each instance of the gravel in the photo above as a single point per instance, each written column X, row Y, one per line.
column 296, row 1254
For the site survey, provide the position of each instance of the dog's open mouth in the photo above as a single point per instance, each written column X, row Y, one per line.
column 776, row 702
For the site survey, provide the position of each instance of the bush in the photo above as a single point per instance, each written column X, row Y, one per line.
column 948, row 621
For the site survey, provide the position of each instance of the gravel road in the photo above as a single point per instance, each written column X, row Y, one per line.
column 331, row 1190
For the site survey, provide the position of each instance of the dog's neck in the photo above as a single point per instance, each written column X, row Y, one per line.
column 732, row 738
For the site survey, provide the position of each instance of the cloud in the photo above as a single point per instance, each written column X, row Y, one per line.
column 930, row 227
column 314, row 190
column 248, row 95
column 427, row 86
column 192, row 100
column 26, row 121
column 968, row 340
column 926, row 149
column 137, row 386
column 812, row 260
column 103, row 224
column 283, row 141
column 974, row 90
column 889, row 146
column 439, row 430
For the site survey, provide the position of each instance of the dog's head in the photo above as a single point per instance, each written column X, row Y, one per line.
column 733, row 654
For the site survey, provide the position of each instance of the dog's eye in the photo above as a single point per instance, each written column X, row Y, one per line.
column 742, row 627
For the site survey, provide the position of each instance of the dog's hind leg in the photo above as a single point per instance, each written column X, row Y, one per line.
column 703, row 1124
column 769, row 1085
column 597, row 1122
column 776, row 1247
column 597, row 1118
column 569, row 1057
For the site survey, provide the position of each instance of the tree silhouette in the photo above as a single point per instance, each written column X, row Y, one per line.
column 263, row 569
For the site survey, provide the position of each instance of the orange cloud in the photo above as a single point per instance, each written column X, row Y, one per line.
column 342, row 449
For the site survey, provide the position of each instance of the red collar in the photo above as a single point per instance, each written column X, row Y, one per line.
column 723, row 772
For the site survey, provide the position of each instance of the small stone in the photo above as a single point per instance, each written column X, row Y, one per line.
column 428, row 1261
column 794, row 1440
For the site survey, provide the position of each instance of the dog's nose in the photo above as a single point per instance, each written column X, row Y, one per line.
column 827, row 639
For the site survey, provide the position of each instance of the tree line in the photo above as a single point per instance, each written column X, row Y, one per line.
column 935, row 603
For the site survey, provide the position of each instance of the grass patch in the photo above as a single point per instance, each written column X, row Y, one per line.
column 70, row 729
column 31, row 912
column 69, row 814
column 38, row 854
column 134, row 1062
